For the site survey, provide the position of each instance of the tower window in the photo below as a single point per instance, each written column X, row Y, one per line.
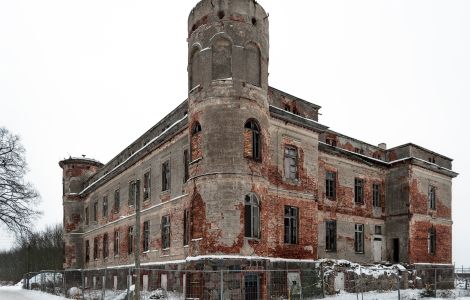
column 196, row 140
column 194, row 78
column 252, row 218
column 432, row 197
column 252, row 138
column 197, row 128
column 222, row 59
column 253, row 64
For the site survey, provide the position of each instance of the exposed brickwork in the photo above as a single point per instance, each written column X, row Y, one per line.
column 419, row 251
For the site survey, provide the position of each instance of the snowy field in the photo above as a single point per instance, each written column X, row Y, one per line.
column 17, row 293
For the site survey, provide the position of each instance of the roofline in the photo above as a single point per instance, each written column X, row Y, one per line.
column 422, row 148
column 295, row 98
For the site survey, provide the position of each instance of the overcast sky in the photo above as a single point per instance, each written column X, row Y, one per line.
column 90, row 76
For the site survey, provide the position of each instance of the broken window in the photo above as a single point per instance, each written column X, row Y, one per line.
column 376, row 195
column 87, row 216
column 166, row 232
column 359, row 190
column 166, row 176
column 186, row 165
column 432, row 241
column 252, row 140
column 290, row 163
column 95, row 211
column 147, row 185
column 87, row 251
column 291, row 216
column 359, row 238
column 105, row 206
column 145, row 243
column 221, row 59
column 130, row 240
column 116, row 243
column 186, row 224
column 197, row 128
column 134, row 192
column 105, row 246
column 432, row 197
column 95, row 248
column 330, row 185
column 117, row 200
column 330, row 235
column 253, row 64
column 252, row 218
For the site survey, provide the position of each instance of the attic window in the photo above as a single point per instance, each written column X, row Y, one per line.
column 331, row 142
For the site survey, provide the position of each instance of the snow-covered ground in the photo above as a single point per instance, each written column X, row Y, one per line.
column 17, row 293
column 404, row 295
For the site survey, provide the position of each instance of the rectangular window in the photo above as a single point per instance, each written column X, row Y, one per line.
column 330, row 185
column 186, row 224
column 432, row 241
column 186, row 165
column 87, row 216
column 105, row 246
column 130, row 240
column 95, row 211
column 87, row 251
column 105, row 206
column 331, row 235
column 359, row 238
column 95, row 248
column 147, row 185
column 116, row 243
column 145, row 243
column 290, row 163
column 117, row 200
column 376, row 195
column 432, row 197
column 166, row 232
column 132, row 193
column 291, row 221
column 166, row 176
column 359, row 190
column 378, row 230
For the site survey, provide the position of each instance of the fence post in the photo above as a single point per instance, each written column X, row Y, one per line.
column 435, row 282
column 83, row 284
column 221, row 285
column 128, row 283
column 322, row 274
column 398, row 286
column 103, row 285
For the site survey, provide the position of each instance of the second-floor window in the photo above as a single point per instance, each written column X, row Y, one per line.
column 95, row 211
column 376, row 195
column 147, row 185
column 359, row 191
column 146, row 241
column 291, row 221
column 330, row 185
column 87, row 216
column 432, row 197
column 105, row 206
column 130, row 240
column 116, row 243
column 117, row 200
column 166, row 176
column 290, row 163
column 134, row 192
column 330, row 238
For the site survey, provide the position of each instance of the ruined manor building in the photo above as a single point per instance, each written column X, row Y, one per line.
column 244, row 171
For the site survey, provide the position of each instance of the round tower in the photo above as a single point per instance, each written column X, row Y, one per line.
column 76, row 171
column 228, row 121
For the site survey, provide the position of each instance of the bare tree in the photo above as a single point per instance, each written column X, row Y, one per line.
column 17, row 197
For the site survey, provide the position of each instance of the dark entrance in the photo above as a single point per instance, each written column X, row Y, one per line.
column 251, row 287
column 396, row 250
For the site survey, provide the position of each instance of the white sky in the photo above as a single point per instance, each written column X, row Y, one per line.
column 90, row 76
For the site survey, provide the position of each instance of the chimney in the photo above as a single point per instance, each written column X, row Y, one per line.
column 383, row 146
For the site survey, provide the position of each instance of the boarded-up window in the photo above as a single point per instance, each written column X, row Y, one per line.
column 194, row 78
column 252, row 140
column 221, row 59
column 253, row 64
column 252, row 219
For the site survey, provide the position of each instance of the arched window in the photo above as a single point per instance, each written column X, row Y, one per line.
column 194, row 78
column 252, row 140
column 252, row 219
column 196, row 128
column 253, row 64
column 221, row 59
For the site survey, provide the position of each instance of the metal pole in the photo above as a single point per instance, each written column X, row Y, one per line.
column 221, row 285
column 83, row 284
column 137, row 240
column 128, row 283
column 435, row 283
column 398, row 279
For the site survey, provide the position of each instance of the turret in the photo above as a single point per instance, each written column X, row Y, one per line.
column 76, row 171
column 228, row 118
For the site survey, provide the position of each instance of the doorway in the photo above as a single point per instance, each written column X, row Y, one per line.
column 377, row 249
column 251, row 287
column 396, row 250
